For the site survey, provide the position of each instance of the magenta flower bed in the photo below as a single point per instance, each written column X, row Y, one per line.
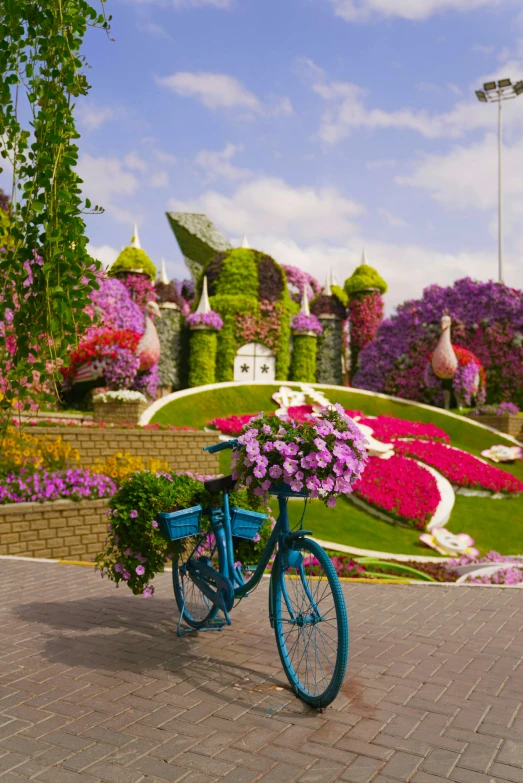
column 460, row 468
column 43, row 486
column 231, row 425
column 388, row 427
column 401, row 488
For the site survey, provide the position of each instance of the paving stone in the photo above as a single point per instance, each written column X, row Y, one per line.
column 95, row 687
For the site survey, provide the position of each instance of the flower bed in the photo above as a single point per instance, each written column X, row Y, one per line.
column 460, row 468
column 43, row 486
column 42, row 422
column 401, row 488
column 386, row 428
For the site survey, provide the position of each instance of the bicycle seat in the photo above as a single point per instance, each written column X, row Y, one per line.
column 223, row 484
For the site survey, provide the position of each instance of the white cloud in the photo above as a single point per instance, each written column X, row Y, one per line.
column 105, row 179
column 92, row 117
column 415, row 10
column 221, row 91
column 134, row 162
column 271, row 206
column 156, row 30
column 164, row 157
column 392, row 220
column 104, row 253
column 217, row 163
column 159, row 180
column 214, row 90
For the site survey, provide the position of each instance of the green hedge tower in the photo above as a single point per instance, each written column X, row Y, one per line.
column 329, row 307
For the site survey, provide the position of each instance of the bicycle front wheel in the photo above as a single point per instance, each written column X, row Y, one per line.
column 310, row 622
column 194, row 606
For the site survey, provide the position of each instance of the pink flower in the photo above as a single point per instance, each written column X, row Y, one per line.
column 140, row 570
column 133, row 514
column 147, row 592
column 155, row 523
column 275, row 471
column 126, row 575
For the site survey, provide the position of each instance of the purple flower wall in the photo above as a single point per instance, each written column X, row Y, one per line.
column 487, row 318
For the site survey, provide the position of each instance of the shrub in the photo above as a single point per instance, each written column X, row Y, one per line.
column 364, row 278
column 202, row 357
column 133, row 259
column 303, row 362
column 121, row 465
column 21, row 450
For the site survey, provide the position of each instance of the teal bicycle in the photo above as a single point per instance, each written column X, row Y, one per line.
column 306, row 605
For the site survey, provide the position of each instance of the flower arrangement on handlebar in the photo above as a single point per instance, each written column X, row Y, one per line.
column 323, row 457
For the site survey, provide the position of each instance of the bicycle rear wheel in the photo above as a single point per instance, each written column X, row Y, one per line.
column 310, row 622
column 194, row 606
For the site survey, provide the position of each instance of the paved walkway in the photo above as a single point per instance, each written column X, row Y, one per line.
column 95, row 686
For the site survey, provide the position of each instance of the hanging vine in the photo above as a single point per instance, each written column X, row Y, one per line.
column 46, row 274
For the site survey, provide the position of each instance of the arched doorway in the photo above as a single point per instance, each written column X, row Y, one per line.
column 254, row 362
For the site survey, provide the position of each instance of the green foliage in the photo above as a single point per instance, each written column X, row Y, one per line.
column 330, row 349
column 133, row 259
column 41, row 61
column 135, row 540
column 239, row 276
column 169, row 333
column 364, row 278
column 340, row 294
column 303, row 362
column 228, row 307
column 202, row 357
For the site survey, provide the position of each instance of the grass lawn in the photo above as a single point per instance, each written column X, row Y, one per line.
column 494, row 524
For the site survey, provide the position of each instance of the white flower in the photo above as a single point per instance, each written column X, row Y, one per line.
column 121, row 395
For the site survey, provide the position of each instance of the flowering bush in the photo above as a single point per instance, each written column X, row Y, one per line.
column 112, row 307
column 212, row 320
column 120, row 466
column 365, row 315
column 460, row 468
column 401, row 488
column 104, row 343
column 231, row 425
column 385, row 428
column 487, row 319
column 324, row 457
column 501, row 409
column 306, row 323
column 23, row 450
column 301, row 412
column 511, row 575
column 42, row 486
column 42, row 422
column 141, row 289
column 297, row 279
column 263, row 328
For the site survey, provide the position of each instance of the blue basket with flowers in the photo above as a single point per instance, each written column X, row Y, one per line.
column 174, row 525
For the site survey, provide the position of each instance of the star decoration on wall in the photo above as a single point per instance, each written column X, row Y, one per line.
column 265, row 368
column 245, row 368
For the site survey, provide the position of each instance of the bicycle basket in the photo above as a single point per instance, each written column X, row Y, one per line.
column 283, row 490
column 245, row 524
column 179, row 524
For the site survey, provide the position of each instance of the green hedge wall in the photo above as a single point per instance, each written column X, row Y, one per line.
column 202, row 358
column 303, row 362
column 169, row 328
column 330, row 350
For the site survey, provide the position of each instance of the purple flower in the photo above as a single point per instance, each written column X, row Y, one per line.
column 257, row 536
column 155, row 523
column 126, row 575
column 140, row 570
column 119, row 568
column 133, row 514
column 147, row 592
column 211, row 319
column 275, row 471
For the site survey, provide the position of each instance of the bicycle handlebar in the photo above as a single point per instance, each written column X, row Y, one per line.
column 227, row 444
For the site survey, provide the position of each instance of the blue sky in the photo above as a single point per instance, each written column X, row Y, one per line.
column 312, row 126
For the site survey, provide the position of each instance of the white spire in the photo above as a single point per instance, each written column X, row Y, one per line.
column 363, row 257
column 163, row 274
column 205, row 305
column 304, row 309
column 135, row 239
column 245, row 242
column 328, row 283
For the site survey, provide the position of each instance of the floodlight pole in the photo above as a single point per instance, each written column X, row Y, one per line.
column 500, row 193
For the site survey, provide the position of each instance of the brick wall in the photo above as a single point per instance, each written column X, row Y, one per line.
column 60, row 529
column 183, row 450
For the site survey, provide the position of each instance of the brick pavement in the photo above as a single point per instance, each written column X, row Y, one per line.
column 95, row 686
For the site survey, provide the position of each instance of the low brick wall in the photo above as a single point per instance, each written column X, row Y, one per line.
column 60, row 529
column 508, row 423
column 119, row 412
column 183, row 450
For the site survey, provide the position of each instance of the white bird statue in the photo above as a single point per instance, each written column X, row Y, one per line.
column 444, row 360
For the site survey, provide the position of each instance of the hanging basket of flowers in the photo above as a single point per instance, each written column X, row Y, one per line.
column 320, row 458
